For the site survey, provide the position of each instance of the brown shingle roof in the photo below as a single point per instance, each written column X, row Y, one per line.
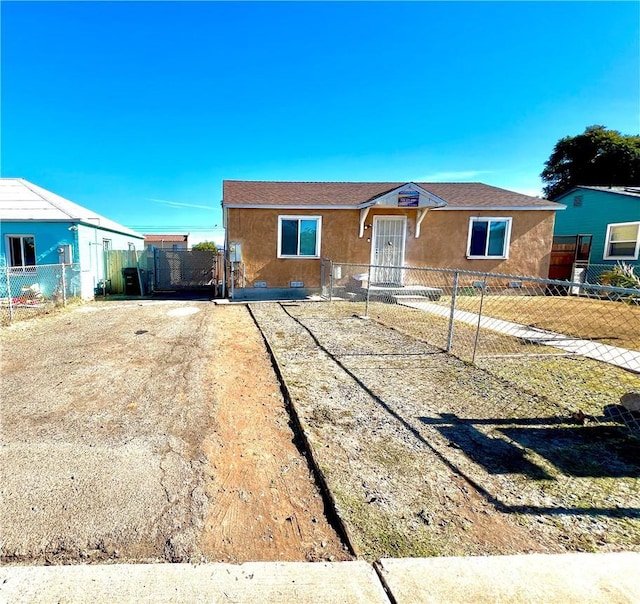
column 341, row 194
column 166, row 238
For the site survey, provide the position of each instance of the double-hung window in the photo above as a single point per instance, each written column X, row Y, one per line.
column 488, row 237
column 622, row 241
column 299, row 236
column 21, row 251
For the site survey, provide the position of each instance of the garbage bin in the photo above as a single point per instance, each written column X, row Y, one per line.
column 132, row 280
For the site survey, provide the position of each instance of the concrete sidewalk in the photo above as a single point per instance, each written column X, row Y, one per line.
column 614, row 355
column 563, row 578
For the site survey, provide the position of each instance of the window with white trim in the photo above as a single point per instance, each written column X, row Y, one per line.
column 21, row 251
column 488, row 237
column 622, row 241
column 299, row 236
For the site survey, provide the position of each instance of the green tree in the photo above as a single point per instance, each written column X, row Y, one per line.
column 206, row 246
column 597, row 157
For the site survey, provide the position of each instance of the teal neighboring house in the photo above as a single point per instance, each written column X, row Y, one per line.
column 610, row 214
column 39, row 229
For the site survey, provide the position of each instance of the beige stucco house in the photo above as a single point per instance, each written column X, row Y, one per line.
column 279, row 231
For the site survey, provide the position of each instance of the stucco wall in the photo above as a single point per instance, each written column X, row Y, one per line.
column 442, row 242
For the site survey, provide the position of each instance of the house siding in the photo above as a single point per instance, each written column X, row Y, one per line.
column 91, row 254
column 442, row 242
column 48, row 237
column 598, row 209
column 86, row 243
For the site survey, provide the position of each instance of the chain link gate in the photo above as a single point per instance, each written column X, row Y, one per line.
column 188, row 270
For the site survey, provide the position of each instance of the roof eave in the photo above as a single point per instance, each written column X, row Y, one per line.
column 256, row 206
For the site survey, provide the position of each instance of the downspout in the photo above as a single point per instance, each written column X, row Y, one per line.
column 225, row 256
column 94, row 273
column 76, row 241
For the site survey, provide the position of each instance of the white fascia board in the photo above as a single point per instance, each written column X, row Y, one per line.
column 371, row 204
column 259, row 206
column 80, row 221
column 496, row 208
column 108, row 227
column 83, row 222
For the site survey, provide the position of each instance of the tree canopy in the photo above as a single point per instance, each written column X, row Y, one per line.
column 206, row 246
column 597, row 157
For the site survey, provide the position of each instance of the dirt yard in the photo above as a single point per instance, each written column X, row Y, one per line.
column 428, row 455
column 144, row 431
column 156, row 430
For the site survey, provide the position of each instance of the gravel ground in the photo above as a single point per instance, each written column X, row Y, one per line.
column 428, row 455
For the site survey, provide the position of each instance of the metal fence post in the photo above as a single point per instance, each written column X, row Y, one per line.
column 366, row 307
column 64, row 286
column 454, row 295
column 330, row 280
column 9, row 295
column 477, row 338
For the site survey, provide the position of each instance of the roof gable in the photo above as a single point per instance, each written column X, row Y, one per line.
column 408, row 195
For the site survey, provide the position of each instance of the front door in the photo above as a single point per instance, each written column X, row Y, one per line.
column 387, row 253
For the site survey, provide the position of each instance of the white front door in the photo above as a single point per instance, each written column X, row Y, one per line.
column 387, row 251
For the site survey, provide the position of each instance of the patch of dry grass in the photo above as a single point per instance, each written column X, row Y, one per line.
column 606, row 321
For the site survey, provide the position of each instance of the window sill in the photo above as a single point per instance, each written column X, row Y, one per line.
column 632, row 258
column 487, row 257
column 299, row 257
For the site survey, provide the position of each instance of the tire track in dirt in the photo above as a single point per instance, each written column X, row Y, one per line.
column 263, row 501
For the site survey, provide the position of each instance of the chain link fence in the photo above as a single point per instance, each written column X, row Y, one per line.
column 32, row 290
column 551, row 388
column 613, row 274
column 577, row 343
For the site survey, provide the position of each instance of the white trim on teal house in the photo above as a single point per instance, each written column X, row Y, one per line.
column 622, row 241
column 603, row 212
column 59, row 230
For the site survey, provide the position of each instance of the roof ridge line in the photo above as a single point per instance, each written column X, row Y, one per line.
column 30, row 186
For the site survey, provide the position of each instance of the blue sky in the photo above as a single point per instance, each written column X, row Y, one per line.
column 140, row 110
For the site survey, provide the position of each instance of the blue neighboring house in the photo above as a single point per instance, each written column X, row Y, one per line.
column 610, row 214
column 39, row 228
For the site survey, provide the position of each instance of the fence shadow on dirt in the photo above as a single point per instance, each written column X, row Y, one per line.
column 578, row 451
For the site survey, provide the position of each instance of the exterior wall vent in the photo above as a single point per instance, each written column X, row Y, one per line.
column 259, row 284
column 297, row 284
